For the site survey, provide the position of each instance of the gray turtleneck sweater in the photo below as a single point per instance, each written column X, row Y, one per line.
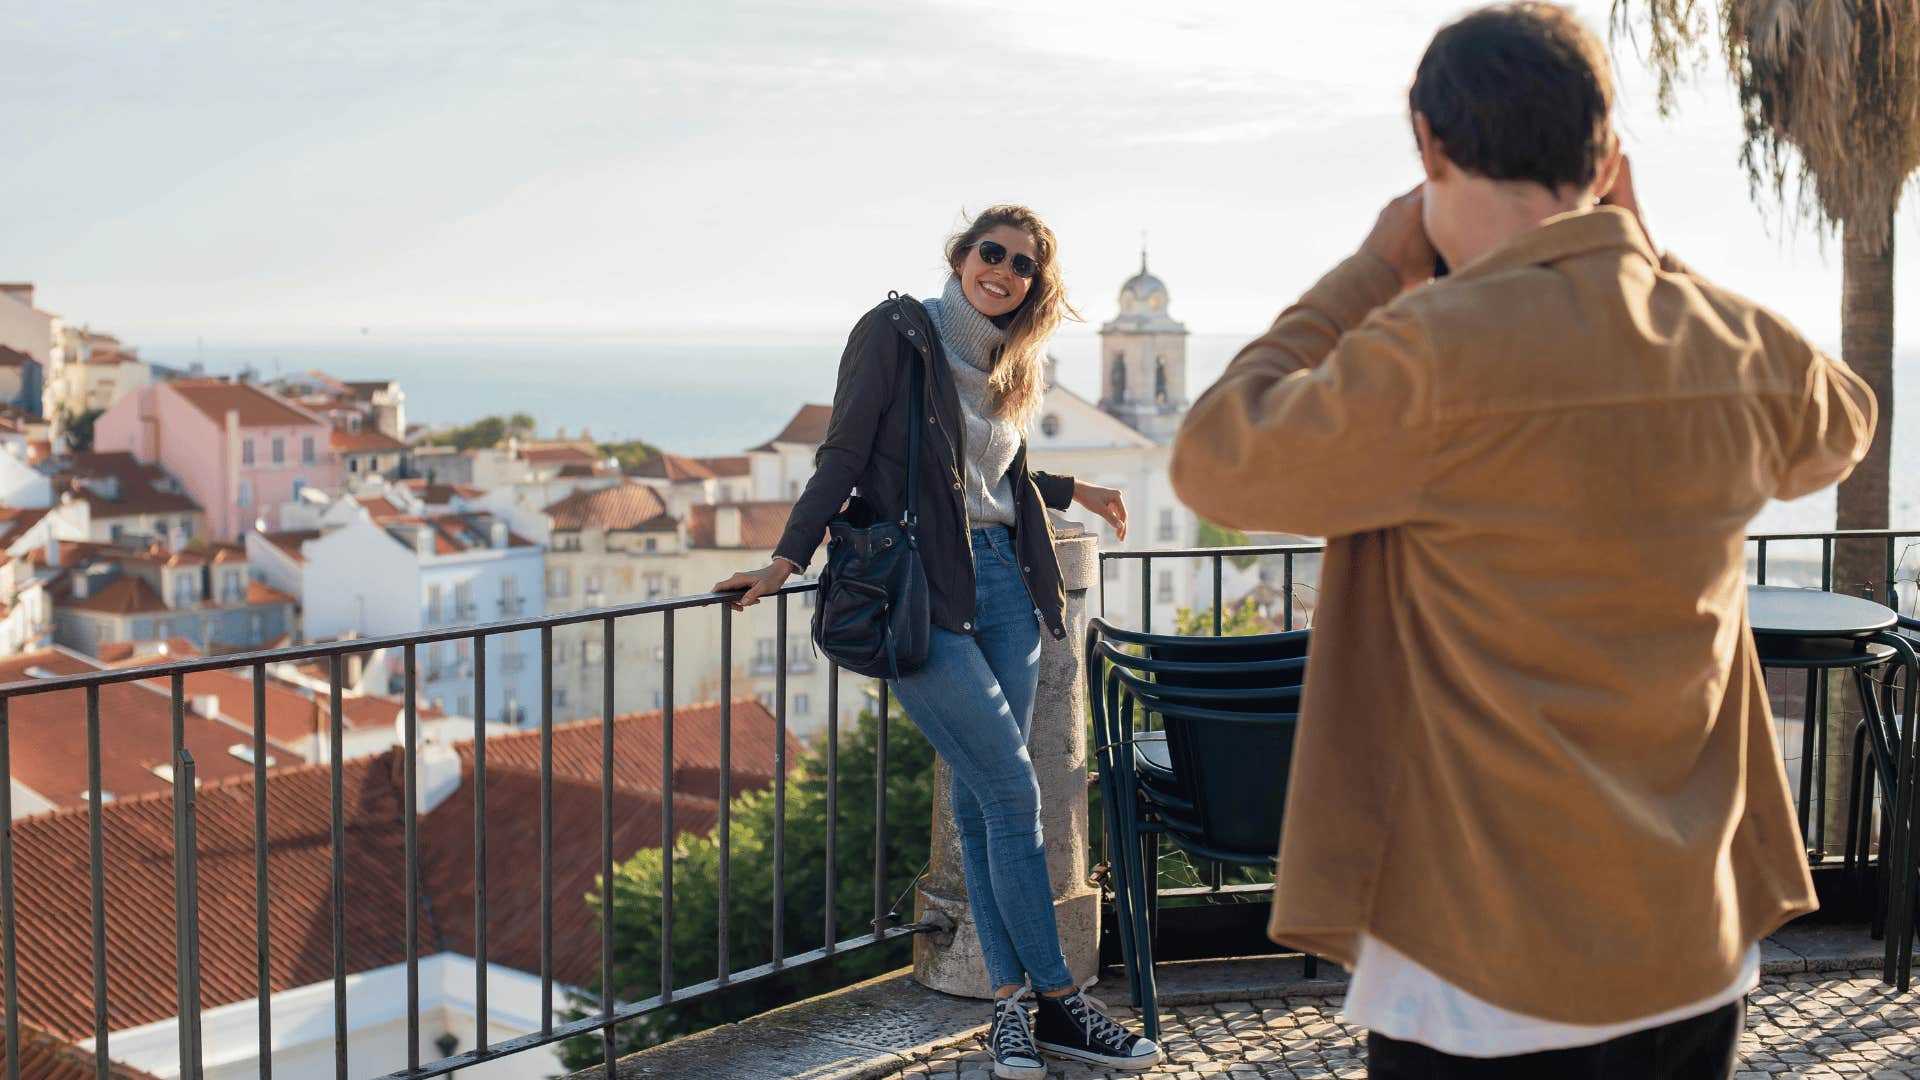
column 972, row 344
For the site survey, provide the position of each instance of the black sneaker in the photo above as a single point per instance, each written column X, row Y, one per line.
column 1078, row 1027
column 1010, row 1040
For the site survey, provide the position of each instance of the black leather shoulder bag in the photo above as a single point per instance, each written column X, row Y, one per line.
column 873, row 615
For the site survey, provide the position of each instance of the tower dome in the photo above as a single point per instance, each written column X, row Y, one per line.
column 1143, row 293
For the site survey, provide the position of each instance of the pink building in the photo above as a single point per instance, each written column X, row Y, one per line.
column 240, row 452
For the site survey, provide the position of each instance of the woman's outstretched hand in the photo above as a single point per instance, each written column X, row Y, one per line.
column 1105, row 501
column 757, row 583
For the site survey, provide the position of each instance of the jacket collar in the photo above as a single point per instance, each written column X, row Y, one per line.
column 1601, row 228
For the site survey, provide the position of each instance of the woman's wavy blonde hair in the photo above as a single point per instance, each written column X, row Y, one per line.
column 1019, row 379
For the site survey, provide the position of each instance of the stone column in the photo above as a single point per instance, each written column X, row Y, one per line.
column 950, row 961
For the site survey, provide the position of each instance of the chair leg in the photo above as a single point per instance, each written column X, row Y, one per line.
column 1857, row 800
column 1311, row 966
column 1808, row 720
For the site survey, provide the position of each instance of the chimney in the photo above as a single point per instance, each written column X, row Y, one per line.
column 82, row 584
column 423, row 541
column 497, row 533
column 439, row 775
column 726, row 526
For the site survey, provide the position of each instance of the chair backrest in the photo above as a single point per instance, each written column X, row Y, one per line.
column 1229, row 707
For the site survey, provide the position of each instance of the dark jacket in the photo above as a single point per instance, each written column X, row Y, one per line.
column 866, row 447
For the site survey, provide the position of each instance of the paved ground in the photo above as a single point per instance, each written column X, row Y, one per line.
column 1800, row 1025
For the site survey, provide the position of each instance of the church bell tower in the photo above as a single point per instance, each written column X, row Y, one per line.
column 1143, row 359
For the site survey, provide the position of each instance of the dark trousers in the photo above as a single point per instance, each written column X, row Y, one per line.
column 1701, row 1048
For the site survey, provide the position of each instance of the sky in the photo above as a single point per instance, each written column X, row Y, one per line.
column 750, row 171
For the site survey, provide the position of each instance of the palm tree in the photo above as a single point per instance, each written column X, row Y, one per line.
column 1830, row 96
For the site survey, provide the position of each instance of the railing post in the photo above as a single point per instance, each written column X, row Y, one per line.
column 951, row 961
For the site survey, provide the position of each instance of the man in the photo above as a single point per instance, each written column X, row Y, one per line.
column 1534, row 803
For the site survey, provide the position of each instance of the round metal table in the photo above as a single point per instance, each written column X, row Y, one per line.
column 1776, row 611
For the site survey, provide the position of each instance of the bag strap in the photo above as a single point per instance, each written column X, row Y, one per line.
column 915, row 417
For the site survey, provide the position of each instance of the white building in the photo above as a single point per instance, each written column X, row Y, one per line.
column 409, row 573
column 39, row 334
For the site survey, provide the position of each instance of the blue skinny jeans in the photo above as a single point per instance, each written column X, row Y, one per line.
column 973, row 699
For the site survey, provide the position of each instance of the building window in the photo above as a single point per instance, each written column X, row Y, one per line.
column 559, row 653
column 279, row 450
column 559, row 581
column 257, row 627
column 433, row 605
column 659, row 700
column 186, row 589
column 1166, row 524
column 801, row 705
column 763, row 656
column 233, row 587
column 766, row 701
column 590, row 654
column 649, row 544
column 116, row 533
column 559, row 697
column 246, row 451
column 1050, row 425
column 306, row 450
column 463, row 705
column 245, row 496
column 353, row 464
column 1166, row 586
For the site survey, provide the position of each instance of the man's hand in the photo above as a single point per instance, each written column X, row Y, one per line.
column 1399, row 238
column 1623, row 196
column 757, row 583
column 1104, row 501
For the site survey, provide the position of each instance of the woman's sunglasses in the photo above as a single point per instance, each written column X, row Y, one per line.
column 991, row 253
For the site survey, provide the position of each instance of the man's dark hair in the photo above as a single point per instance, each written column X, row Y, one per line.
column 1518, row 92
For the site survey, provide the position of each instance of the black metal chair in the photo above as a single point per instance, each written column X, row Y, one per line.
column 1882, row 755
column 1211, row 779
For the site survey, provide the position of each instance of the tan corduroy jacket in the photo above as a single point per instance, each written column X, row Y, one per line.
column 1535, row 752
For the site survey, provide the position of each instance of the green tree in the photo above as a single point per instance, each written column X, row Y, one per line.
column 696, row 899
column 486, row 432
column 1830, row 97
column 79, row 429
column 630, row 453
column 1242, row 620
column 1212, row 535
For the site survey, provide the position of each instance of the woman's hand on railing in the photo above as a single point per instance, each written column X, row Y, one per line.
column 1104, row 501
column 756, row 583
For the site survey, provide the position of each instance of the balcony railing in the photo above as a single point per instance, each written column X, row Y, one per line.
column 886, row 924
column 730, row 971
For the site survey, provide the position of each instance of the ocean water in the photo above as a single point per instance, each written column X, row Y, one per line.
column 712, row 398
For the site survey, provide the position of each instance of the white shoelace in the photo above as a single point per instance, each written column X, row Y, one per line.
column 1012, row 1030
column 1093, row 1020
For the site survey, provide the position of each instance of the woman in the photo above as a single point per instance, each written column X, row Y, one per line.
column 994, row 586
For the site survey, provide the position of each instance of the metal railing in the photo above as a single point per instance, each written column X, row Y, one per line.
column 1812, row 795
column 886, row 924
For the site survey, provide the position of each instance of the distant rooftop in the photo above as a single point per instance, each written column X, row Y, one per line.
column 256, row 406
column 808, row 427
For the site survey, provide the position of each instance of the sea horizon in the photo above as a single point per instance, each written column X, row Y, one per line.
column 705, row 398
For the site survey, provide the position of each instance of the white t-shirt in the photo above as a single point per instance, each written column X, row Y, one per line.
column 1392, row 994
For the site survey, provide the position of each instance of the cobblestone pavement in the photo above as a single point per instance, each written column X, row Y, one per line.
column 1830, row 1024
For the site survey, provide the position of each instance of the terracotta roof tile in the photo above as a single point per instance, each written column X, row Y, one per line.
column 121, row 654
column 50, row 858
column 513, row 862
column 736, row 465
column 289, row 542
column 808, row 426
column 43, row 1057
column 128, row 594
column 256, row 406
column 559, row 453
column 136, row 734
column 625, row 506
column 116, row 484
column 637, row 758
column 15, row 522
column 259, row 593
column 761, row 524
column 365, row 442
column 441, row 494
column 381, row 507
column 673, row 467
